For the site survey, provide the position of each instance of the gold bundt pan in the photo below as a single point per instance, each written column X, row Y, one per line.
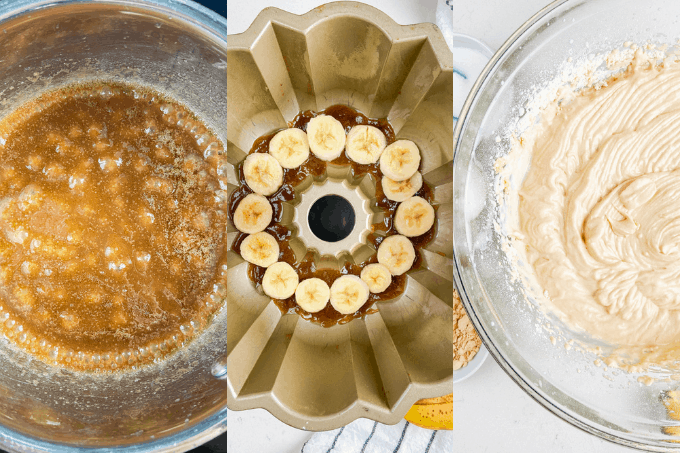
column 319, row 378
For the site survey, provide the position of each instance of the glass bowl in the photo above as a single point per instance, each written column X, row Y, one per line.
column 572, row 384
column 177, row 47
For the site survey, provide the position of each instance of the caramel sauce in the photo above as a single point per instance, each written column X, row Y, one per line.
column 315, row 167
column 111, row 229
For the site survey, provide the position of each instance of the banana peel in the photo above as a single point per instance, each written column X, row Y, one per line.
column 432, row 413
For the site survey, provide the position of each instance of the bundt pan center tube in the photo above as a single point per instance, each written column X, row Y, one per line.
column 309, row 376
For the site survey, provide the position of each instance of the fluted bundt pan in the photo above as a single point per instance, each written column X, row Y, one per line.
column 375, row 367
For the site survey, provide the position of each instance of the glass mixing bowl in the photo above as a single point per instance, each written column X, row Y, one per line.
column 605, row 402
column 179, row 48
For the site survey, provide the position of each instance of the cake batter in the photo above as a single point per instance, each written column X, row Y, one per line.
column 599, row 209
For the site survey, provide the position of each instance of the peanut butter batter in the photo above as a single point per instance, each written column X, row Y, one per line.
column 111, row 227
column 599, row 210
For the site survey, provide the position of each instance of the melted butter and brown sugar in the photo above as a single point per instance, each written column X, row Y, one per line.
column 111, row 227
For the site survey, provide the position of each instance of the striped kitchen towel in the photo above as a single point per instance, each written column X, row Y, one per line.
column 366, row 436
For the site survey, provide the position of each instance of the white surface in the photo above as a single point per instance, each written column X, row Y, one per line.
column 491, row 413
column 256, row 431
column 493, row 21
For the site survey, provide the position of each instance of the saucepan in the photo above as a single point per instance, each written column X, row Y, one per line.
column 179, row 48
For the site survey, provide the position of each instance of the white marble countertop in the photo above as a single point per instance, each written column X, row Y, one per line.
column 492, row 413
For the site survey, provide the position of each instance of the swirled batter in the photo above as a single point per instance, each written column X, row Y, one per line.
column 599, row 210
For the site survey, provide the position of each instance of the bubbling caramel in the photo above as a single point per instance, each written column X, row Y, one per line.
column 111, row 226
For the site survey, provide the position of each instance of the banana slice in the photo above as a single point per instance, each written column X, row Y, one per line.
column 400, row 160
column 280, row 281
column 253, row 214
column 348, row 294
column 377, row 277
column 260, row 249
column 312, row 295
column 365, row 144
column 401, row 190
column 290, row 147
column 414, row 217
column 397, row 254
column 326, row 137
column 263, row 173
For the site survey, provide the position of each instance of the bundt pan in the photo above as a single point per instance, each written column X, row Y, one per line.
column 309, row 376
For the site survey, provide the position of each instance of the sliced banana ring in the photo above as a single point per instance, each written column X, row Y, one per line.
column 263, row 173
column 326, row 137
column 414, row 217
column 260, row 249
column 253, row 214
column 290, row 147
column 397, row 254
column 280, row 281
column 312, row 295
column 401, row 190
column 348, row 294
column 365, row 144
column 400, row 160
column 377, row 277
